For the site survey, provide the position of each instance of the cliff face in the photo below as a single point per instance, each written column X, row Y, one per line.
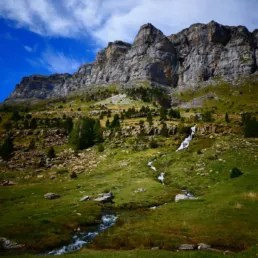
column 185, row 59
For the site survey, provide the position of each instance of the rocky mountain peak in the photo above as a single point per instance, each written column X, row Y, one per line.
column 182, row 60
column 148, row 34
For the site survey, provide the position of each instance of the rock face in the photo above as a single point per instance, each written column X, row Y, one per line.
column 186, row 59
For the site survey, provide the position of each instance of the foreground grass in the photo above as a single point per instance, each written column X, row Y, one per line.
column 151, row 253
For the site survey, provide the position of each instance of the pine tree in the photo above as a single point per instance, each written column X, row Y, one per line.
column 108, row 123
column 15, row 116
column 226, row 117
column 68, row 124
column 7, row 148
column 98, row 133
column 82, row 135
column 51, row 153
column 149, row 118
column 33, row 123
column 1, row 119
column 163, row 113
column 32, row 144
column 115, row 123
column 26, row 124
column 164, row 130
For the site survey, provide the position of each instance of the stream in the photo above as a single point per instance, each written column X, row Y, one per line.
column 80, row 239
column 109, row 218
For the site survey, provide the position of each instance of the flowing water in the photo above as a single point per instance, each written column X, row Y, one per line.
column 85, row 237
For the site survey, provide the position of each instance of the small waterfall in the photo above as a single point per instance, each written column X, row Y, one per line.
column 187, row 140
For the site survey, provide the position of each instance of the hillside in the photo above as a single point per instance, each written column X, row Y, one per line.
column 188, row 59
column 102, row 154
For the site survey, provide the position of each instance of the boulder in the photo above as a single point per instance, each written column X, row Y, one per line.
column 186, row 247
column 51, row 196
column 180, row 197
column 140, row 190
column 8, row 244
column 106, row 197
column 85, row 198
column 202, row 246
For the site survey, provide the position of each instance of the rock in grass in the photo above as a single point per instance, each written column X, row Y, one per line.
column 106, row 197
column 140, row 190
column 186, row 247
column 51, row 196
column 202, row 246
column 8, row 244
column 84, row 198
column 180, row 197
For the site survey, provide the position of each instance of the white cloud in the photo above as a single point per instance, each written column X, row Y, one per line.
column 109, row 20
column 56, row 62
column 29, row 49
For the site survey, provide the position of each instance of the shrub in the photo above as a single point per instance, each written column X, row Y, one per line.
column 250, row 125
column 235, row 173
column 15, row 116
column 7, row 148
column 115, row 123
column 73, row 175
column 153, row 144
column 226, row 118
column 51, row 153
column 62, row 171
column 207, row 116
column 101, row 148
column 32, row 144
column 1, row 119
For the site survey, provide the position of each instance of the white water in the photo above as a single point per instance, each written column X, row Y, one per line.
column 82, row 238
column 187, row 140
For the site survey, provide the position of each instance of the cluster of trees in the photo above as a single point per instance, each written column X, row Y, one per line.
column 150, row 95
column 7, row 148
column 86, row 133
column 250, row 125
column 115, row 123
column 171, row 113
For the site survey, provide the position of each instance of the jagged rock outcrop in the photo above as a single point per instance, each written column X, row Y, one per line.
column 186, row 59
column 209, row 50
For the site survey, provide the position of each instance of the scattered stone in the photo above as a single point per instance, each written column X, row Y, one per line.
column 52, row 177
column 51, row 196
column 155, row 248
column 202, row 246
column 7, row 183
column 186, row 247
column 140, row 190
column 106, row 197
column 8, row 244
column 85, row 198
column 180, row 197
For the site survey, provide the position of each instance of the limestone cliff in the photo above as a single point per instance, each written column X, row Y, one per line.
column 192, row 56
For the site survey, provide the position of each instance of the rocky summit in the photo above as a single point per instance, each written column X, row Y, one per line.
column 197, row 54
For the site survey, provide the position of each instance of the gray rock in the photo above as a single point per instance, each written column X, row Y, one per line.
column 8, row 244
column 140, row 190
column 106, row 197
column 180, row 197
column 85, row 198
column 51, row 196
column 202, row 246
column 183, row 60
column 186, row 247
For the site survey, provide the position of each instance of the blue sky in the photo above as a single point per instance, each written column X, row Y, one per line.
column 57, row 36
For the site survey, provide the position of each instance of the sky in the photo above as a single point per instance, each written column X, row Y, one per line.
column 57, row 36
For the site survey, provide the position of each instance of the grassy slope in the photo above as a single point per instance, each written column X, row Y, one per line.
column 225, row 206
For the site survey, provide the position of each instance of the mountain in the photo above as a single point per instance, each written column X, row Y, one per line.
column 194, row 55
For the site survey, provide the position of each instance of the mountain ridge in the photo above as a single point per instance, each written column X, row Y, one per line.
column 183, row 60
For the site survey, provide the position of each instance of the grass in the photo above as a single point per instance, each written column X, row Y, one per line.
column 224, row 215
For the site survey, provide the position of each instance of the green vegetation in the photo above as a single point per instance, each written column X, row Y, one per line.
column 106, row 160
column 7, row 148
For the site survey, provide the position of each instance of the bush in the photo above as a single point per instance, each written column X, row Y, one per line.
column 7, row 148
column 227, row 118
column 73, row 175
column 51, row 153
column 101, row 148
column 32, row 144
column 153, row 144
column 62, row 171
column 250, row 125
column 235, row 173
column 207, row 116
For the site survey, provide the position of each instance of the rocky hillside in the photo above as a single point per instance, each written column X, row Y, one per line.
column 182, row 60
